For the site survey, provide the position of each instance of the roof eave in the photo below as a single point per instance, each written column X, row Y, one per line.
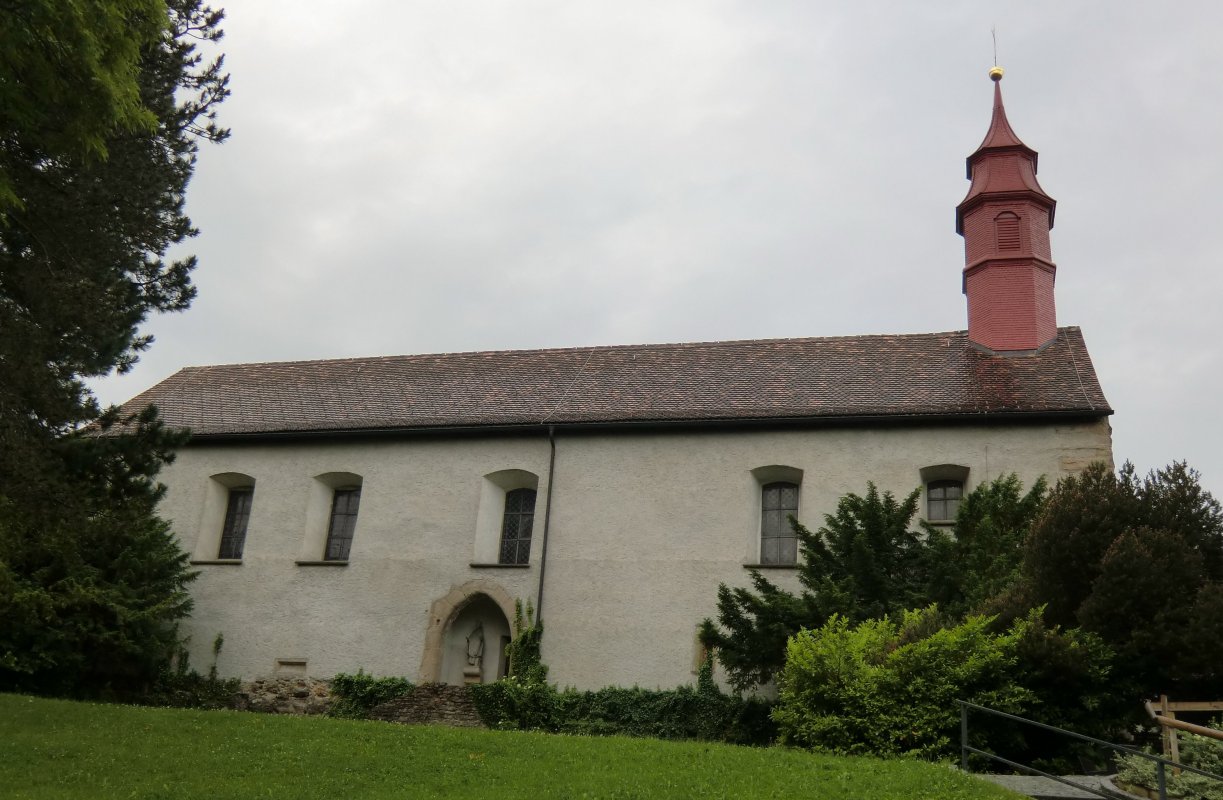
column 980, row 417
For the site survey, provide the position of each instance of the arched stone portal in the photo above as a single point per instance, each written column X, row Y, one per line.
column 468, row 628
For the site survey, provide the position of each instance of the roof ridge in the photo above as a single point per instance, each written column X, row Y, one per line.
column 586, row 349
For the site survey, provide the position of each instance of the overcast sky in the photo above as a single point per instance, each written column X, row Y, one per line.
column 414, row 177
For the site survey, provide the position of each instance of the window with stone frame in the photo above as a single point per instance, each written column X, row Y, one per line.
column 778, row 542
column 344, row 504
column 237, row 513
column 943, row 500
column 516, row 525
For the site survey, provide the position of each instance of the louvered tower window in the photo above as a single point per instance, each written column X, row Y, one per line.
column 1006, row 226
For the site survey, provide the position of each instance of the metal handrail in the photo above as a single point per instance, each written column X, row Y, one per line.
column 1161, row 763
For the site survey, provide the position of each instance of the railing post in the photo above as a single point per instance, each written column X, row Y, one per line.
column 1163, row 783
column 963, row 737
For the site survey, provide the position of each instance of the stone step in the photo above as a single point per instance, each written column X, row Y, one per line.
column 1042, row 788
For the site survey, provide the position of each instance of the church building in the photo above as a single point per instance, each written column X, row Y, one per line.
column 386, row 513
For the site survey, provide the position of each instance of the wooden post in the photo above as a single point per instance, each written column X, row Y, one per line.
column 1171, row 745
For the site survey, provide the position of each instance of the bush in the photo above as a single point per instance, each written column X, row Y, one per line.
column 703, row 712
column 864, row 562
column 981, row 560
column 356, row 694
column 889, row 689
column 180, row 686
column 1138, row 561
column 1195, row 751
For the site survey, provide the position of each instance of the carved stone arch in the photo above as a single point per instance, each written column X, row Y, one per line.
column 446, row 609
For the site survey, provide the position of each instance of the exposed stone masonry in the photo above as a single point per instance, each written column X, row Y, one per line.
column 285, row 696
column 431, row 704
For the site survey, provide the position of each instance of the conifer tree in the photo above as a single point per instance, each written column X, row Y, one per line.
column 979, row 559
column 864, row 562
column 91, row 581
column 1138, row 561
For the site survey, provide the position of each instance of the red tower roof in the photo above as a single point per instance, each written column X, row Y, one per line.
column 1000, row 133
column 1002, row 165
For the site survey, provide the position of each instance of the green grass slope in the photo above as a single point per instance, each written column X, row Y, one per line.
column 60, row 749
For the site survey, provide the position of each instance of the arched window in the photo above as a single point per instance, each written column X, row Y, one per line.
column 944, row 490
column 222, row 534
column 344, row 504
column 237, row 513
column 516, row 524
column 778, row 542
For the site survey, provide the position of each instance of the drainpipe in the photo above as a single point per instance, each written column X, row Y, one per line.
column 543, row 554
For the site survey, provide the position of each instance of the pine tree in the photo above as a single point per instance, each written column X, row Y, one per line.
column 91, row 581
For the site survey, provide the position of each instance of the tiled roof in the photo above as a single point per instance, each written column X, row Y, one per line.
column 930, row 375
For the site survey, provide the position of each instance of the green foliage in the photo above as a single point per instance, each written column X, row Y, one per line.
column 1196, row 751
column 864, row 562
column 754, row 626
column 526, row 701
column 1083, row 517
column 703, row 713
column 356, row 694
column 92, row 583
column 525, row 649
column 82, row 259
column 888, row 688
column 1138, row 561
column 980, row 560
column 180, row 686
column 69, row 78
column 91, row 588
column 61, row 750
column 860, row 690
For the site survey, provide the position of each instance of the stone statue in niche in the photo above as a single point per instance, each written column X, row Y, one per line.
column 474, row 672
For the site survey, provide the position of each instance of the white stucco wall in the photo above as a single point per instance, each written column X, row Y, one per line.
column 644, row 526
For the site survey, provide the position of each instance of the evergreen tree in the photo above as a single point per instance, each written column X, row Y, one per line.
column 91, row 581
column 69, row 77
column 1138, row 561
column 979, row 559
column 864, row 562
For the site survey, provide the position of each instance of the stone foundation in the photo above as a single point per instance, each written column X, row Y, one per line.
column 284, row 696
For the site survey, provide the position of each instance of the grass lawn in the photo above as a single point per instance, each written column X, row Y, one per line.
column 60, row 749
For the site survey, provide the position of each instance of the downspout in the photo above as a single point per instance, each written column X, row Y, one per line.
column 543, row 554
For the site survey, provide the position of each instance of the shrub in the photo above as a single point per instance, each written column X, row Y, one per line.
column 356, row 694
column 703, row 712
column 889, row 689
column 1195, row 751
column 981, row 560
column 1138, row 561
column 180, row 686
column 864, row 562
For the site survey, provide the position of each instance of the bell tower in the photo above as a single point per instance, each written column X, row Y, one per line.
column 1005, row 221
